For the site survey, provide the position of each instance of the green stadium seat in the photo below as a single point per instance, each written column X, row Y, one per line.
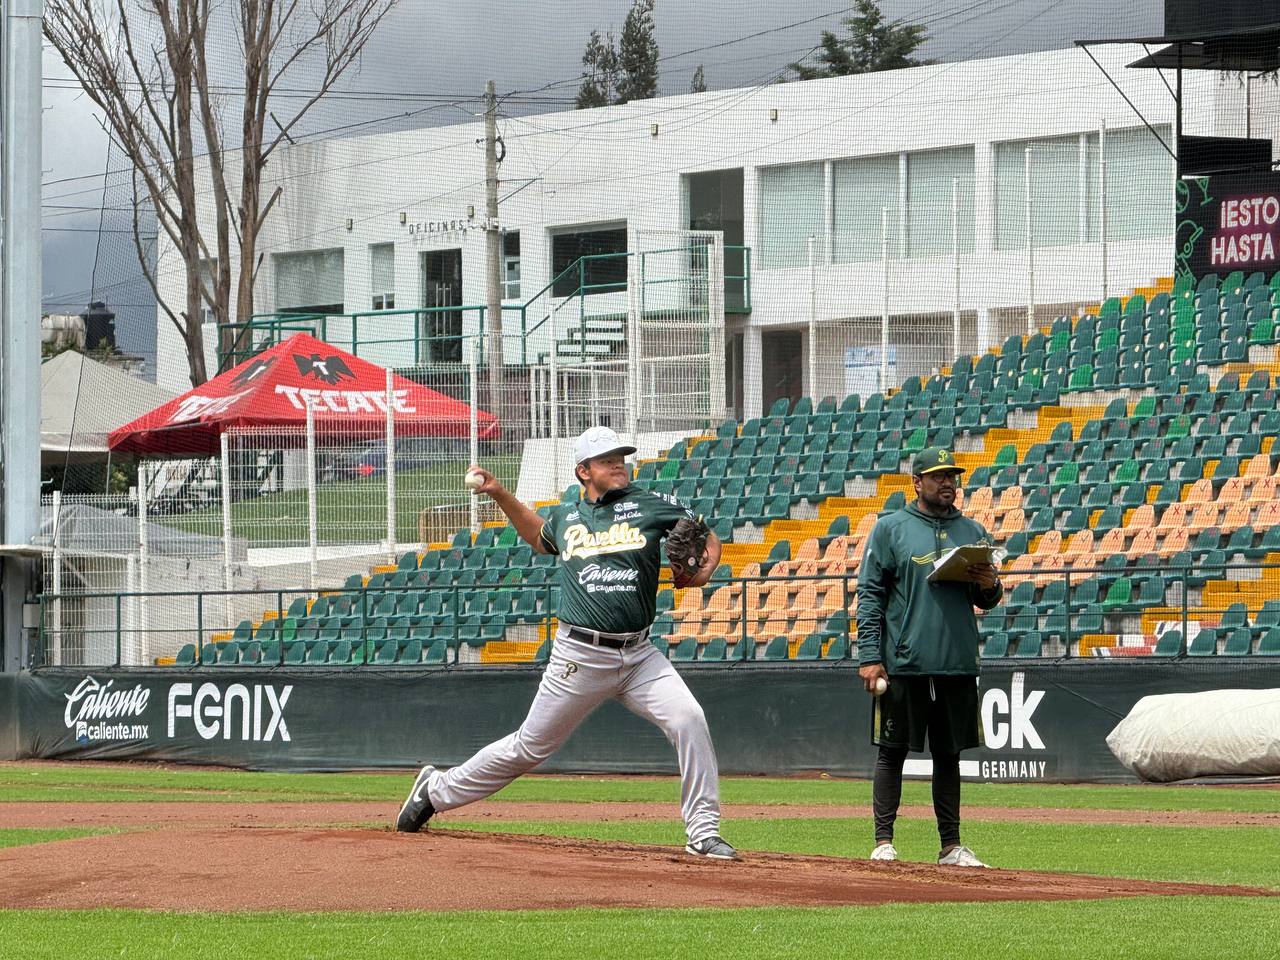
column 296, row 653
column 186, row 655
column 1239, row 643
column 1029, row 645
column 1204, row 643
column 776, row 649
column 995, row 646
column 714, row 650
column 1169, row 644
column 1269, row 643
column 685, row 650
column 837, row 648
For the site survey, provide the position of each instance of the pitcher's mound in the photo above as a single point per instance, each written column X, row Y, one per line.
column 201, row 868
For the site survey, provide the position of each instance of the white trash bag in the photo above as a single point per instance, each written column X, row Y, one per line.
column 1177, row 736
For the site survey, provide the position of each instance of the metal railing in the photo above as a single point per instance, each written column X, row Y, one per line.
column 1062, row 627
column 418, row 328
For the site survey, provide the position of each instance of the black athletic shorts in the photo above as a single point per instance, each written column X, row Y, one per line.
column 945, row 707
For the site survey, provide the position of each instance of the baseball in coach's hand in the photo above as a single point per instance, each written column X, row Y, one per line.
column 474, row 480
column 881, row 685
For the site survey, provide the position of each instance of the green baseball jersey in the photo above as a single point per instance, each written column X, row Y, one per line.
column 610, row 555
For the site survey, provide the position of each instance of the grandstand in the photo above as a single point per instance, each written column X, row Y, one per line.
column 1124, row 459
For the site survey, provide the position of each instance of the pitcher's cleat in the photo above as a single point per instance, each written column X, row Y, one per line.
column 713, row 848
column 417, row 809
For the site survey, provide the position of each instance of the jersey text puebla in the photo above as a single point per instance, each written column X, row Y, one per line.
column 610, row 557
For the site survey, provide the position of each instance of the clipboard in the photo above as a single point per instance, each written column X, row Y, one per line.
column 953, row 566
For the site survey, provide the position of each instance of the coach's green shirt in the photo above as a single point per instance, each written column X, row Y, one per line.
column 610, row 555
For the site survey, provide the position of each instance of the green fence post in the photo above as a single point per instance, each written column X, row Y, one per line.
column 742, row 647
column 199, row 625
column 118, row 598
column 280, row 623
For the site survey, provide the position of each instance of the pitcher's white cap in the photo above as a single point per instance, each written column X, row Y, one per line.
column 596, row 442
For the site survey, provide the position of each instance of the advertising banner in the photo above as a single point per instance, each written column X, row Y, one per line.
column 1226, row 223
column 1041, row 720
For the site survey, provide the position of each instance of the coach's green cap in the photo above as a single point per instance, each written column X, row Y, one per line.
column 933, row 459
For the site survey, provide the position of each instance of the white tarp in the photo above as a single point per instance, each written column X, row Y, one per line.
column 82, row 400
column 1176, row 736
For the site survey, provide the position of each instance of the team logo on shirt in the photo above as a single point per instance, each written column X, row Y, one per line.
column 619, row 538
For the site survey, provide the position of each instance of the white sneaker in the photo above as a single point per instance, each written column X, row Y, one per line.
column 960, row 857
column 884, row 851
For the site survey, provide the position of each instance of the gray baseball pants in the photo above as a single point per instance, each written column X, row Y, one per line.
column 578, row 678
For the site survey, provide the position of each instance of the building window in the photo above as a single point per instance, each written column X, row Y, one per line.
column 606, row 272
column 309, row 282
column 862, row 189
column 511, row 265
column 791, row 211
column 382, row 275
column 933, row 178
column 1066, row 188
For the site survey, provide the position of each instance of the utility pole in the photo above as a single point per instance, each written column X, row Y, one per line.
column 493, row 253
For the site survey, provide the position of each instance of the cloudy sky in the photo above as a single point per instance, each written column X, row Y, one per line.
column 431, row 53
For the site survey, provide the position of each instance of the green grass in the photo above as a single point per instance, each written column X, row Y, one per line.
column 24, row 836
column 1223, row 855
column 1143, row 928
column 51, row 782
column 1149, row 927
column 346, row 510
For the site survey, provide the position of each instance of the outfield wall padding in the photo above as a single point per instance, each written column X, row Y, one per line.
column 1042, row 720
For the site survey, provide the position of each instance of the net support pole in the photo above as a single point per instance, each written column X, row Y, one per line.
column 955, row 265
column 884, row 314
column 1031, row 246
column 391, row 468
column 144, row 551
column 813, row 321
column 55, row 654
column 473, row 432
column 313, row 533
column 553, row 416
column 224, row 445
column 1102, row 207
column 635, row 282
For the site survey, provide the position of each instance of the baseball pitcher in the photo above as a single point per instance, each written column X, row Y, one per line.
column 609, row 547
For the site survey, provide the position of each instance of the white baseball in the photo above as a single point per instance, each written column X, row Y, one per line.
column 881, row 685
column 474, row 479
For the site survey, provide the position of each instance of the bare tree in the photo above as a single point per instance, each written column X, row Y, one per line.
column 146, row 65
column 143, row 86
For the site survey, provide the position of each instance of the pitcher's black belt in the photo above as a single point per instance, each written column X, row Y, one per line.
column 615, row 641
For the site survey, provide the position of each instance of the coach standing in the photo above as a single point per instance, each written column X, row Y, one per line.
column 923, row 638
column 609, row 545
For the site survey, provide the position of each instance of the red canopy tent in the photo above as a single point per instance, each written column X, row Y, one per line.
column 274, row 389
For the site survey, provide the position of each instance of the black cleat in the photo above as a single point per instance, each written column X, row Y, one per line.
column 417, row 809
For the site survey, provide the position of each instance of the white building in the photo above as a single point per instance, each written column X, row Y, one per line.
column 393, row 220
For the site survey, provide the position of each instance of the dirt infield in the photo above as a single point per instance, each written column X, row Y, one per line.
column 256, row 857
column 129, row 814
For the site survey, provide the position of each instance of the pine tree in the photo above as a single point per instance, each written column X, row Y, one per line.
column 600, row 78
column 638, row 54
column 699, row 82
column 872, row 45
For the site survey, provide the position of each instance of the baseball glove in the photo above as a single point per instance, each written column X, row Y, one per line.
column 686, row 544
